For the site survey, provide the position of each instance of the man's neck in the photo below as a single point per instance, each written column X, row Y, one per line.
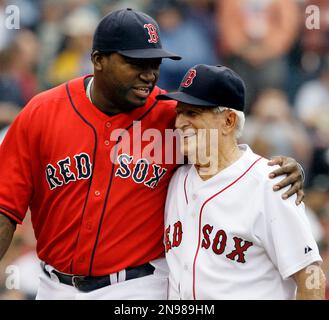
column 99, row 100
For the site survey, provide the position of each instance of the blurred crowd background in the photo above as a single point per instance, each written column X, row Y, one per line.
column 284, row 64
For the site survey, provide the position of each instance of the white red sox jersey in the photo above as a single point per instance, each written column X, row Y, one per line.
column 232, row 237
column 90, row 216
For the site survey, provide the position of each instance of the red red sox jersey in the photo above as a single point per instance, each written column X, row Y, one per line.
column 90, row 216
column 232, row 237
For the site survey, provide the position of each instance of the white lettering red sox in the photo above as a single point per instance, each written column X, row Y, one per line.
column 61, row 173
column 218, row 244
column 139, row 171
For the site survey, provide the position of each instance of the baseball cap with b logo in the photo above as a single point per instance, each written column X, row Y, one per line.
column 130, row 33
column 210, row 86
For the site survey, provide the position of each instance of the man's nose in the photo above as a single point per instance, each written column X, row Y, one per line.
column 148, row 75
column 180, row 121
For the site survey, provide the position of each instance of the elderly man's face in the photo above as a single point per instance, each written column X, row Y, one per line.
column 201, row 131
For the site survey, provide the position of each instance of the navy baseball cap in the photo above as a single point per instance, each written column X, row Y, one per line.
column 130, row 33
column 210, row 86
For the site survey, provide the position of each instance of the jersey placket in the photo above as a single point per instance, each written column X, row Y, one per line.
column 95, row 208
column 190, row 238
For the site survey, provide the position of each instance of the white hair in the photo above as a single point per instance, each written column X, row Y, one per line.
column 241, row 119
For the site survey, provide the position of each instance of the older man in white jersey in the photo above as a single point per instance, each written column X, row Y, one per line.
column 227, row 234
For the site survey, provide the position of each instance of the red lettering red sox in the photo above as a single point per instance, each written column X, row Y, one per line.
column 218, row 243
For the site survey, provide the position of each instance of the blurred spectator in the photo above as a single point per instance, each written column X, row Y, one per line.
column 72, row 5
column 105, row 6
column 18, row 81
column 317, row 195
column 319, row 133
column 9, row 87
column 25, row 60
column 50, row 36
column 255, row 39
column 182, row 35
column 74, row 60
column 203, row 13
column 272, row 129
column 312, row 108
column 313, row 97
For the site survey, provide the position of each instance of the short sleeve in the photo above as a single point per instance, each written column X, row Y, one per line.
column 15, row 170
column 286, row 233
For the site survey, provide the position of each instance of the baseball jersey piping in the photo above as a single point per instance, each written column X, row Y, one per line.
column 200, row 218
column 110, row 184
column 10, row 214
column 185, row 189
column 93, row 166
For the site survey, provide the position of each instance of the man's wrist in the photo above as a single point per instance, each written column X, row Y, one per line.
column 302, row 171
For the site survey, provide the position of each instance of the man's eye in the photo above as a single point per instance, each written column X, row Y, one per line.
column 187, row 113
column 133, row 62
column 156, row 63
column 144, row 63
column 191, row 113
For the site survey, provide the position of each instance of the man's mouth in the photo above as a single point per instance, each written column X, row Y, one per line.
column 142, row 92
column 188, row 134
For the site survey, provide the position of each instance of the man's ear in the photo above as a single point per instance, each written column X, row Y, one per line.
column 231, row 119
column 97, row 60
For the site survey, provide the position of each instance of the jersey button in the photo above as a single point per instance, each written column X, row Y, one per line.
column 194, row 196
column 108, row 124
column 107, row 143
column 185, row 267
column 97, row 193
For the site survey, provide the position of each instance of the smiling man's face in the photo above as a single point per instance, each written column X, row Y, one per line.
column 200, row 129
column 127, row 82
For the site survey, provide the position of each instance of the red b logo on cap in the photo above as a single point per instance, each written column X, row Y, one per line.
column 189, row 78
column 151, row 29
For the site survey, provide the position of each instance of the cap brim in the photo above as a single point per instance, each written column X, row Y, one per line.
column 185, row 98
column 151, row 53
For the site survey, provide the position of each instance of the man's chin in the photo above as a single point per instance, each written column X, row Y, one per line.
column 191, row 156
column 195, row 159
column 131, row 105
